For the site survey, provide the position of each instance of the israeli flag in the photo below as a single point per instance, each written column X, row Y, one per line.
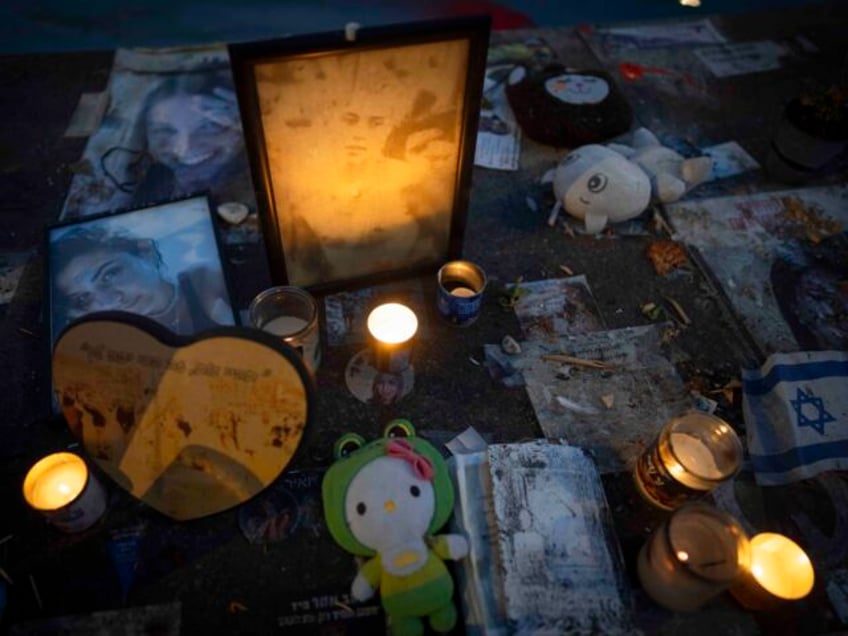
column 796, row 414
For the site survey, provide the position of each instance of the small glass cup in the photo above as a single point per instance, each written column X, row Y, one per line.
column 692, row 455
column 292, row 314
column 696, row 554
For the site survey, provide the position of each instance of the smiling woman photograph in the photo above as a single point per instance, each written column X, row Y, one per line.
column 171, row 129
column 190, row 137
column 143, row 262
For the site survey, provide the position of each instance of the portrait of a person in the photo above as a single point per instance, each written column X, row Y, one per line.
column 387, row 388
column 363, row 150
column 95, row 269
column 187, row 138
column 810, row 284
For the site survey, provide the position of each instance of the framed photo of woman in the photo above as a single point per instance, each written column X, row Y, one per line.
column 361, row 147
column 163, row 262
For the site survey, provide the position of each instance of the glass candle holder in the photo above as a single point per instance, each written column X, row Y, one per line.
column 692, row 455
column 292, row 314
column 779, row 571
column 391, row 335
column 64, row 491
column 696, row 554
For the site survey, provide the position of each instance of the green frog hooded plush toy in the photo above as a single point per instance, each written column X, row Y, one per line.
column 385, row 500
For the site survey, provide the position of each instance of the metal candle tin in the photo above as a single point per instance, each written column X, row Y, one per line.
column 460, row 292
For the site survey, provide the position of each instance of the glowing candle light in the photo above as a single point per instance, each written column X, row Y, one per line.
column 392, row 323
column 695, row 555
column 392, row 328
column 691, row 455
column 780, row 571
column 62, row 489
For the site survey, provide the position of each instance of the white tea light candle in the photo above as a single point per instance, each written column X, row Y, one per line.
column 780, row 571
column 392, row 328
column 61, row 487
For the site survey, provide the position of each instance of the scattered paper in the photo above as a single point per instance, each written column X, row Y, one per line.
column 88, row 114
column 654, row 36
column 557, row 306
column 498, row 133
column 730, row 159
column 643, row 388
column 291, row 506
column 778, row 258
column 346, row 312
column 727, row 60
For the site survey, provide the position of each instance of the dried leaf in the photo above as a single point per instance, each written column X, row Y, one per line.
column 666, row 255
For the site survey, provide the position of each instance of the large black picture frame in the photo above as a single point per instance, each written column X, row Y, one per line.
column 361, row 144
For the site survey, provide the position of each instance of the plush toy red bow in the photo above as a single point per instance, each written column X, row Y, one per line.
column 402, row 449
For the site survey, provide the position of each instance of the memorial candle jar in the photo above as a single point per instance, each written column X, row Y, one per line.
column 292, row 314
column 695, row 555
column 391, row 334
column 779, row 571
column 61, row 487
column 692, row 455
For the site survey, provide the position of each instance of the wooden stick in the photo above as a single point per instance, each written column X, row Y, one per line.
column 35, row 592
column 679, row 309
column 580, row 362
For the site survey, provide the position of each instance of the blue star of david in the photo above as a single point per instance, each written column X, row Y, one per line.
column 816, row 423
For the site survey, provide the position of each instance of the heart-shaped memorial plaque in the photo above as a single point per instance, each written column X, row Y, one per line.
column 191, row 426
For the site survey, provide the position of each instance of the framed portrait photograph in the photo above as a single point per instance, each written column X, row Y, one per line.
column 163, row 262
column 361, row 147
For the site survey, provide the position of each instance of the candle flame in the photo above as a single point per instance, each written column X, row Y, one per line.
column 682, row 555
column 780, row 566
column 676, row 470
column 392, row 323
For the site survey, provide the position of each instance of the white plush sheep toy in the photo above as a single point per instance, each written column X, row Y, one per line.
column 613, row 183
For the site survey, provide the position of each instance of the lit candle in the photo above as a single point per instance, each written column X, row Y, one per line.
column 691, row 455
column 392, row 328
column 780, row 571
column 61, row 487
column 695, row 555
